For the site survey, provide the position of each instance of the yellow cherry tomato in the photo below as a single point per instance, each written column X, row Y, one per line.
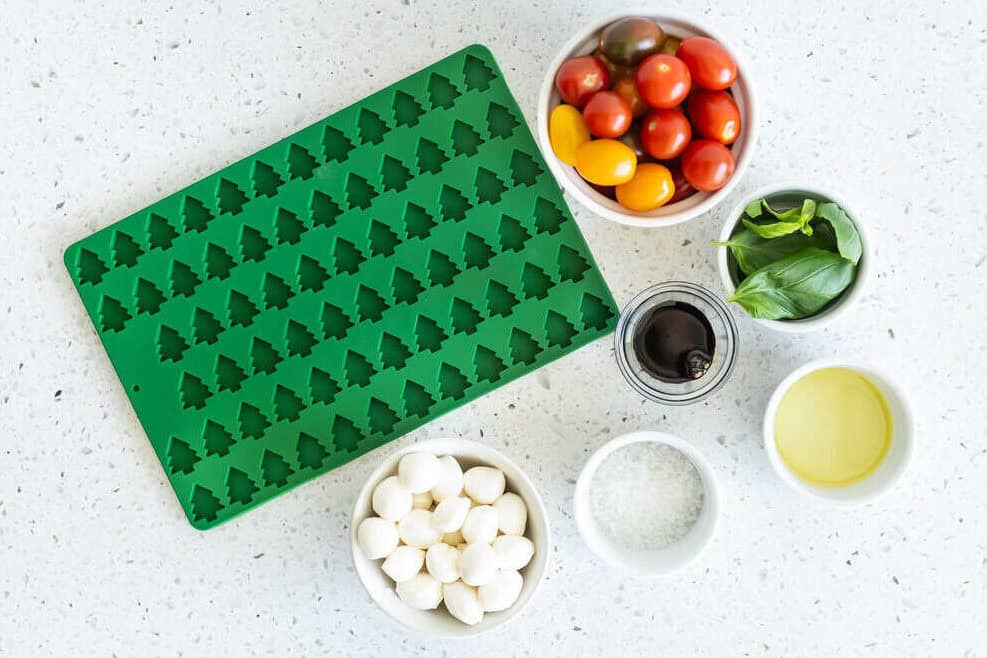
column 606, row 162
column 651, row 187
column 567, row 132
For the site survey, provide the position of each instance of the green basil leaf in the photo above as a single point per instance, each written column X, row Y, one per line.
column 806, row 214
column 796, row 286
column 847, row 237
column 753, row 209
column 752, row 252
column 790, row 215
column 773, row 230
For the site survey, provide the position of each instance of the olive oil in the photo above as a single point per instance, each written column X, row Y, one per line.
column 833, row 427
column 675, row 343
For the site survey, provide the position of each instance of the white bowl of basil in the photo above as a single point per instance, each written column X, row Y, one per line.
column 793, row 256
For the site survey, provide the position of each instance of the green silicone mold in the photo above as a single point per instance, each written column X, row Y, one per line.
column 341, row 287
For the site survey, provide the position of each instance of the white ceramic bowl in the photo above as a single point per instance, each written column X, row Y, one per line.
column 888, row 472
column 439, row 622
column 843, row 303
column 677, row 25
column 662, row 561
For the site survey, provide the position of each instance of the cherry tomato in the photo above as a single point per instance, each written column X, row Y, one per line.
column 606, row 162
column 631, row 39
column 633, row 139
column 567, row 132
column 682, row 188
column 707, row 165
column 671, row 46
column 614, row 70
column 714, row 114
column 663, row 81
column 607, row 114
column 711, row 66
column 650, row 188
column 627, row 89
column 579, row 78
column 665, row 134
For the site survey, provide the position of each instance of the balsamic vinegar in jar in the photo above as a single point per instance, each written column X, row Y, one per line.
column 675, row 343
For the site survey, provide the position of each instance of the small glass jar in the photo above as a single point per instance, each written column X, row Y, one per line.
column 724, row 331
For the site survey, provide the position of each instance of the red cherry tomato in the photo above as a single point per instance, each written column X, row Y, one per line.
column 682, row 188
column 711, row 66
column 579, row 78
column 607, row 115
column 663, row 81
column 707, row 165
column 714, row 114
column 665, row 134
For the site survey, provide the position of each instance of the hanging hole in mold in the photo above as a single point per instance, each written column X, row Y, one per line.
column 301, row 163
column 263, row 356
column 370, row 305
column 193, row 391
column 512, row 234
column 160, row 232
column 287, row 405
column 183, row 279
column 205, row 327
column 197, row 215
column 113, row 315
column 441, row 269
column 358, row 369
column 417, row 222
column 477, row 74
column 253, row 245
column 287, row 227
column 324, row 209
column 135, row 388
column 535, row 282
column 229, row 197
column 487, row 364
column 558, row 330
column 595, row 313
column 452, row 383
column 239, row 487
column 395, row 176
column 429, row 334
column 476, row 252
column 524, row 169
column 500, row 300
column 253, row 423
column 359, row 192
column 219, row 263
column 524, row 348
column 90, row 267
column 417, row 401
column 171, row 345
column 430, row 156
column 229, row 376
column 335, row 145
column 266, row 180
column 393, row 353
column 274, row 469
column 406, row 109
column 405, row 286
column 572, row 266
column 381, row 417
column 215, row 439
column 382, row 239
column 181, row 457
column 345, row 434
column 500, row 121
column 276, row 291
column 311, row 275
column 465, row 140
column 335, row 324
column 489, row 188
column 299, row 339
column 548, row 217
column 311, row 453
column 149, row 297
column 205, row 504
column 372, row 128
column 126, row 251
column 241, row 310
column 464, row 317
column 453, row 204
column 441, row 92
column 323, row 387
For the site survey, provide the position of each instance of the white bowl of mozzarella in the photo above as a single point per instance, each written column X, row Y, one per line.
column 449, row 537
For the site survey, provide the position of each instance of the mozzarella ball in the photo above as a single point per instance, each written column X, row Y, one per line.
column 421, row 592
column 418, row 471
column 453, row 538
column 463, row 603
column 450, row 481
column 377, row 537
column 449, row 515
column 483, row 484
column 391, row 499
column 513, row 552
column 416, row 529
column 478, row 564
column 421, row 501
column 501, row 592
column 480, row 525
column 512, row 514
column 403, row 563
column 442, row 561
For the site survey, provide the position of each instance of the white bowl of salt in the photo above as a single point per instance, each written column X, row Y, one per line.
column 648, row 502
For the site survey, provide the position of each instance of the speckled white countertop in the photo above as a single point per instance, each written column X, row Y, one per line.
column 107, row 106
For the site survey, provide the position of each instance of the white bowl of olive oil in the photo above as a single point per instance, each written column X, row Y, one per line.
column 839, row 431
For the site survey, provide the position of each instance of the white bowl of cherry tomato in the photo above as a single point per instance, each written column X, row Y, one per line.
column 647, row 119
